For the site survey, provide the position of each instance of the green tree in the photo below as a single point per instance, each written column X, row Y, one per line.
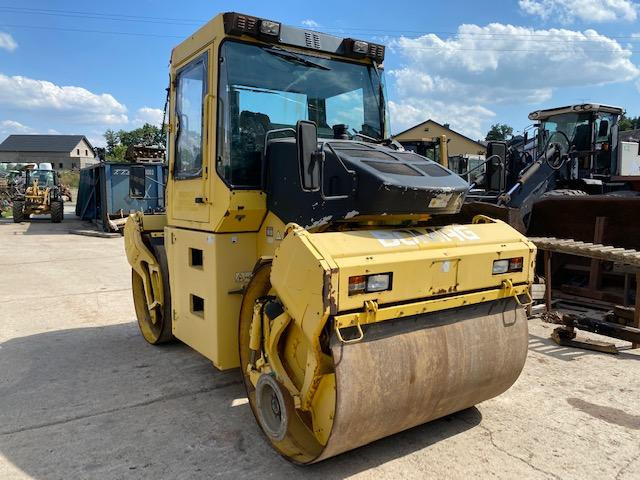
column 112, row 140
column 499, row 132
column 629, row 123
column 117, row 142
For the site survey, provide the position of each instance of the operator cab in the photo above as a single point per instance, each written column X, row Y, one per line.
column 587, row 133
column 263, row 85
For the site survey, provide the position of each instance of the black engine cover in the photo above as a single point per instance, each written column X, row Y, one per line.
column 376, row 180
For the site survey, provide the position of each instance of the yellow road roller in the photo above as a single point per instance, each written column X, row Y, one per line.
column 305, row 247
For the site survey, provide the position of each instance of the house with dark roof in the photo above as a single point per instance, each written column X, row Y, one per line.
column 630, row 136
column 457, row 143
column 64, row 152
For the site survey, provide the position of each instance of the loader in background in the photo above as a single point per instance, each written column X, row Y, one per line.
column 574, row 189
column 309, row 253
column 39, row 194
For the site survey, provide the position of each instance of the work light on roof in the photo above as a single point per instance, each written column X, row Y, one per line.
column 360, row 47
column 239, row 24
column 268, row 27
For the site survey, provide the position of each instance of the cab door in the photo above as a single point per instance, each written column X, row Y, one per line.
column 189, row 166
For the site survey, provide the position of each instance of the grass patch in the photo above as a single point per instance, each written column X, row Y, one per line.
column 70, row 178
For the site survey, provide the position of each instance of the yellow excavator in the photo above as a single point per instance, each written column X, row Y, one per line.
column 303, row 246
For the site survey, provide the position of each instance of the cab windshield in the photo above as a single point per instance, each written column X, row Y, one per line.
column 263, row 88
column 576, row 128
column 44, row 177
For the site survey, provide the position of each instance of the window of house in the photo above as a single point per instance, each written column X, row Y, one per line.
column 77, row 151
column 86, row 153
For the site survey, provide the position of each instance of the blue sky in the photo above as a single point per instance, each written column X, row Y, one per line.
column 81, row 67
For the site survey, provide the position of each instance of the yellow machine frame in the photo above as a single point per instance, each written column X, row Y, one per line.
column 216, row 239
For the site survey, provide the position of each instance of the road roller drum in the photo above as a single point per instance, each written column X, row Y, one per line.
column 321, row 382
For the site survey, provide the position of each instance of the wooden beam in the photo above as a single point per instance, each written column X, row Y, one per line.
column 547, row 279
column 636, row 321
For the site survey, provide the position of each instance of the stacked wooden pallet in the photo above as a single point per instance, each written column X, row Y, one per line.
column 590, row 250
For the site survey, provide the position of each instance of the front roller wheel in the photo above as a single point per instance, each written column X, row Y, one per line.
column 280, row 422
column 160, row 331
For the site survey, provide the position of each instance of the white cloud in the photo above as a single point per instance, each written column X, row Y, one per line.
column 566, row 11
column 10, row 127
column 469, row 120
column 76, row 104
column 148, row 115
column 13, row 127
column 7, row 42
column 482, row 66
column 310, row 23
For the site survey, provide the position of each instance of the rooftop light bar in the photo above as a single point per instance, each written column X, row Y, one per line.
column 275, row 32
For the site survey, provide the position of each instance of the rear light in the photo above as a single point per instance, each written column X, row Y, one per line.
column 378, row 282
column 507, row 265
column 515, row 264
column 357, row 284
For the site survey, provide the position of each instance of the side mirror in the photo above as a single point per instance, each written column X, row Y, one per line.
column 309, row 158
column 496, row 166
column 137, row 181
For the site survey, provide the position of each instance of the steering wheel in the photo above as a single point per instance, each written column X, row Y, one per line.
column 559, row 158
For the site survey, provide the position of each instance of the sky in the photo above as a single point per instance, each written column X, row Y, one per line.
column 78, row 67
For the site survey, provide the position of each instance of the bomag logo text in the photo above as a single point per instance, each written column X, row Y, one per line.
column 396, row 238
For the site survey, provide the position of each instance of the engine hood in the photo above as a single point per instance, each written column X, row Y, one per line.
column 360, row 179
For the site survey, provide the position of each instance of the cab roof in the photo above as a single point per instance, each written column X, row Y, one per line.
column 579, row 108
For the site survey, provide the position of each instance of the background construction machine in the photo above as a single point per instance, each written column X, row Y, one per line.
column 573, row 188
column 310, row 255
column 574, row 151
column 38, row 194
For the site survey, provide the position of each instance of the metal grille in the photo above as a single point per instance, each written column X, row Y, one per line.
column 312, row 40
column 394, row 168
column 246, row 23
column 371, row 154
column 433, row 170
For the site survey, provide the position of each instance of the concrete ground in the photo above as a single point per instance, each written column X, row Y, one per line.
column 83, row 396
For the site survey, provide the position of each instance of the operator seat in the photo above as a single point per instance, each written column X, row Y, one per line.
column 248, row 153
column 582, row 138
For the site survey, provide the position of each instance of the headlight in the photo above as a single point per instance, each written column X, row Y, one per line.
column 507, row 265
column 500, row 266
column 377, row 282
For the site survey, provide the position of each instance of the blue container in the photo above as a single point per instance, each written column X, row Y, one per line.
column 103, row 192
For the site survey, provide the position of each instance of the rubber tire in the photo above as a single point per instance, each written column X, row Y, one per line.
column 18, row 212
column 57, row 211
column 563, row 192
column 164, row 334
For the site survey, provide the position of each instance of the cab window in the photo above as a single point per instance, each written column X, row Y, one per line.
column 191, row 88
